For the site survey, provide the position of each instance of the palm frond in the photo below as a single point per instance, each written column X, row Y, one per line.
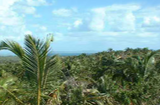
column 36, row 60
column 13, row 47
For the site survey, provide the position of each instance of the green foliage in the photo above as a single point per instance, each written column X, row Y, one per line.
column 9, row 86
column 37, row 64
column 130, row 77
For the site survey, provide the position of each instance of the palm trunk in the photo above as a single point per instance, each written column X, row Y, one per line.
column 39, row 86
column 39, row 95
column 38, row 81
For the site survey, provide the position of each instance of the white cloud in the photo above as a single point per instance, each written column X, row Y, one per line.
column 28, row 32
column 157, row 19
column 11, row 37
column 25, row 9
column 39, row 28
column 12, row 21
column 151, row 21
column 43, row 28
column 122, row 24
column 110, row 18
column 147, row 34
column 123, row 7
column 30, row 10
column 10, row 10
column 129, row 23
column 151, row 24
column 11, row 32
column 28, row 6
column 149, row 11
column 147, row 20
column 77, row 23
column 13, row 14
column 36, row 2
column 80, row 25
column 116, row 17
column 7, row 15
column 5, row 4
column 98, row 20
column 64, row 12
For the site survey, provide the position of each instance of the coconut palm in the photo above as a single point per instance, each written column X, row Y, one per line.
column 37, row 64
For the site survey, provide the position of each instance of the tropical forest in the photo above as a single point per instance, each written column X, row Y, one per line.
column 36, row 76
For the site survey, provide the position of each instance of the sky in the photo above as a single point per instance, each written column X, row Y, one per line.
column 83, row 25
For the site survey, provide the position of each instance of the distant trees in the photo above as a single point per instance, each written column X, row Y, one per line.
column 119, row 77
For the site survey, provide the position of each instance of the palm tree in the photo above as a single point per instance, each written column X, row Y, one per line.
column 37, row 63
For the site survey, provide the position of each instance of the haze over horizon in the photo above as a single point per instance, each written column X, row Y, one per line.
column 83, row 25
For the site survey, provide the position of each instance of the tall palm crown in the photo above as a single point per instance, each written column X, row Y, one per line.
column 35, row 60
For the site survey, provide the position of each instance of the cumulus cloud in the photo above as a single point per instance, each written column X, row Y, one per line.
column 10, row 10
column 12, row 17
column 111, row 18
column 98, row 21
column 121, row 21
column 29, row 6
column 114, row 17
column 124, row 19
column 5, row 4
column 127, row 24
column 7, row 15
column 11, row 23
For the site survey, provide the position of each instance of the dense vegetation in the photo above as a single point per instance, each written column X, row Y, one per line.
column 129, row 77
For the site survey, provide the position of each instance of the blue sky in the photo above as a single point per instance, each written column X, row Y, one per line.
column 83, row 25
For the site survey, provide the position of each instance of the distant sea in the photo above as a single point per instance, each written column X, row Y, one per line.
column 13, row 58
column 72, row 54
column 61, row 53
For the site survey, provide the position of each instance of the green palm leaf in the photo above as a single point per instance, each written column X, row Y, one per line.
column 13, row 47
column 35, row 58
